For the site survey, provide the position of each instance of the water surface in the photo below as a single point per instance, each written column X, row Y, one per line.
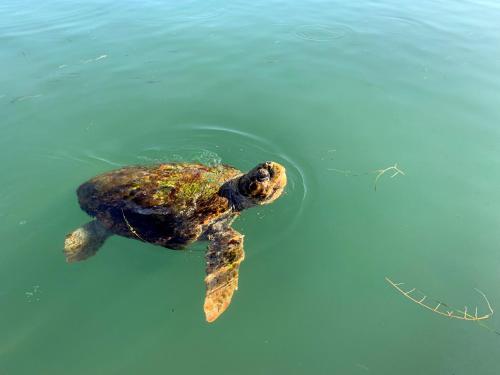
column 334, row 90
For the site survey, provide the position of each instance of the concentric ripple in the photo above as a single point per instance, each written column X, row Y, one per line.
column 211, row 145
column 322, row 33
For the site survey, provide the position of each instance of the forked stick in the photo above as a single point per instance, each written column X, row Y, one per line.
column 452, row 313
column 380, row 172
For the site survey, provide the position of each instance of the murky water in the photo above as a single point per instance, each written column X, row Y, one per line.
column 335, row 91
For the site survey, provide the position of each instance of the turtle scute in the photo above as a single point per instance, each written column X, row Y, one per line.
column 165, row 204
column 177, row 187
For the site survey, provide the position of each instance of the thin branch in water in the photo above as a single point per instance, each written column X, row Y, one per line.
column 452, row 313
column 485, row 298
column 381, row 172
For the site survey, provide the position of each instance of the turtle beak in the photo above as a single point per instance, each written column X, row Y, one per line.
column 278, row 180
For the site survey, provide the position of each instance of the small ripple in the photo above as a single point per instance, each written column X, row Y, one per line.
column 263, row 145
column 207, row 15
column 104, row 160
column 322, row 33
column 200, row 11
column 406, row 22
column 179, row 154
column 25, row 21
column 85, row 157
column 66, row 157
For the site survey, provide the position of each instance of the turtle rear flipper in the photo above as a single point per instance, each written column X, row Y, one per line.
column 84, row 242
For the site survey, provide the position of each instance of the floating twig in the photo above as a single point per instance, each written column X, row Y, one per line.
column 381, row 172
column 452, row 313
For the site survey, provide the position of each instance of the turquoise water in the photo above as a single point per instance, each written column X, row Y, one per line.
column 333, row 90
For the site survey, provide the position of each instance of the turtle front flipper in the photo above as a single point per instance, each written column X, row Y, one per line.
column 84, row 242
column 223, row 257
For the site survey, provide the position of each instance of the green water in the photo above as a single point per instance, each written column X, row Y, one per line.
column 323, row 87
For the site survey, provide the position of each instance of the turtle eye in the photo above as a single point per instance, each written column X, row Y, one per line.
column 268, row 166
column 262, row 175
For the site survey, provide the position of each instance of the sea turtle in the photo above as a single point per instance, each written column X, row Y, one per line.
column 173, row 205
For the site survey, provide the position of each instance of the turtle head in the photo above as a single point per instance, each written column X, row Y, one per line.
column 264, row 183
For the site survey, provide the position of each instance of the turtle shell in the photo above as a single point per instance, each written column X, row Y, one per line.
column 166, row 204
